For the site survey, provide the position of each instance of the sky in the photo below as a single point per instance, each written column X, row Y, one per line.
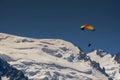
column 61, row 19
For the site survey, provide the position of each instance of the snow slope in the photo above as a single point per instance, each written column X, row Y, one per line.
column 47, row 59
column 106, row 61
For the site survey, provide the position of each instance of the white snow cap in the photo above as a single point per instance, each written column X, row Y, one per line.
column 46, row 59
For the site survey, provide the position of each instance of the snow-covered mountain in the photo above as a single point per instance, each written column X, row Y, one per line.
column 109, row 62
column 53, row 59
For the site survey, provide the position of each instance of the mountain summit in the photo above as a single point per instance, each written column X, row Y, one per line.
column 53, row 59
column 107, row 61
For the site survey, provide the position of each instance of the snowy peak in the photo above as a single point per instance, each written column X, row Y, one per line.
column 117, row 58
column 13, row 38
column 52, row 59
column 46, row 59
column 23, row 43
column 100, row 53
column 106, row 61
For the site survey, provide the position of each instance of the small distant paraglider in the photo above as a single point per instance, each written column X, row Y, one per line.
column 88, row 27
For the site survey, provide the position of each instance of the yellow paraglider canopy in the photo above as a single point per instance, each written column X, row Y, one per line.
column 88, row 27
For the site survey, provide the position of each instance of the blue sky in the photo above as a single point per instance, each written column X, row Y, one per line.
column 61, row 19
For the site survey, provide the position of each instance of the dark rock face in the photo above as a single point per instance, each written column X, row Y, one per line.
column 11, row 72
column 83, row 56
column 97, row 66
column 101, row 53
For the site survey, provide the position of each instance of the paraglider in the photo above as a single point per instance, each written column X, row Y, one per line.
column 88, row 27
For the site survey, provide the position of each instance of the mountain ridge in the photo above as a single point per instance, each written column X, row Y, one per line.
column 50, row 59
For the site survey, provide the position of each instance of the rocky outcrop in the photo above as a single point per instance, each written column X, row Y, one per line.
column 10, row 72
